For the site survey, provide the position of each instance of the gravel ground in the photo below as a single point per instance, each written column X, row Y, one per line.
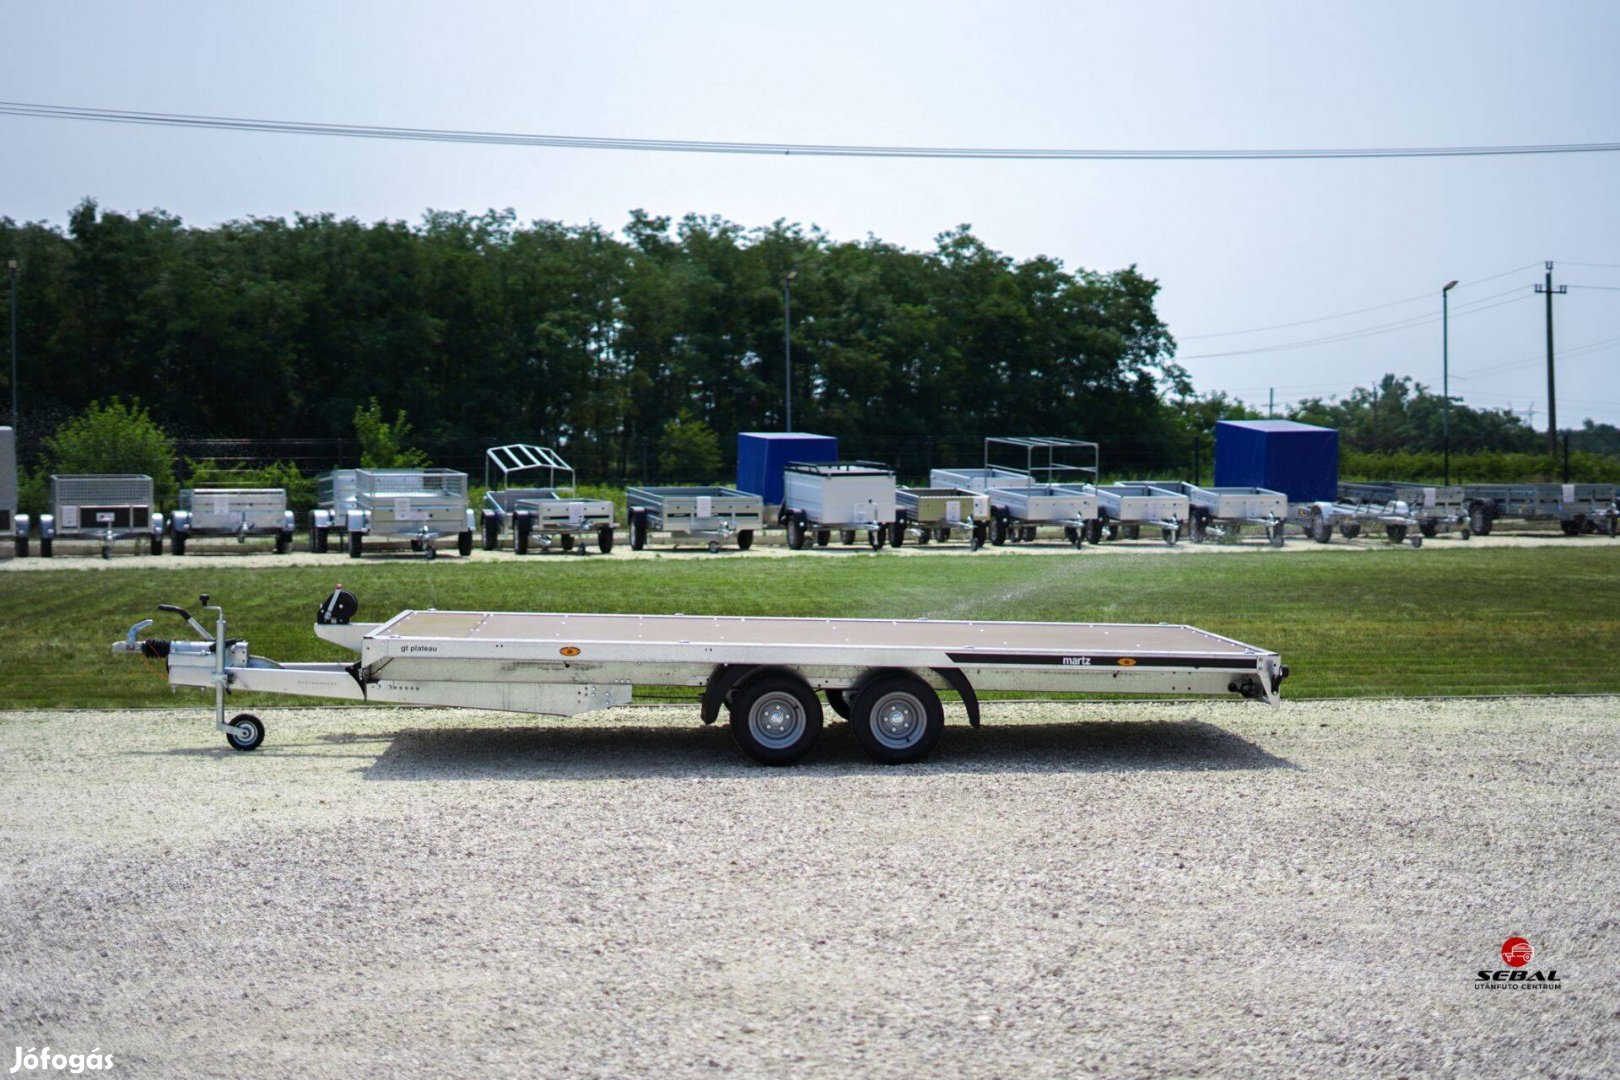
column 1130, row 890
column 82, row 555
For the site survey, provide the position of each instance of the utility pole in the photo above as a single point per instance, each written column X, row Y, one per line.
column 1271, row 402
column 787, row 343
column 16, row 419
column 1445, row 375
column 1552, row 395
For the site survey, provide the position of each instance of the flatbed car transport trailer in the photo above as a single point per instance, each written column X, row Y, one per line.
column 883, row 675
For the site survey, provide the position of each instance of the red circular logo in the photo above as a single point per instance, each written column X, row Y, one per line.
column 1516, row 952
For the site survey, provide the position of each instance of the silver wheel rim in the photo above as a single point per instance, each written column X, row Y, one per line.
column 776, row 720
column 244, row 732
column 898, row 720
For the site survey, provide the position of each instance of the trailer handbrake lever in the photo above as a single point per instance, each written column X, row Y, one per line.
column 202, row 632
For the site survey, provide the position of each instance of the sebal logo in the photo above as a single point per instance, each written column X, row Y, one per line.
column 1517, row 953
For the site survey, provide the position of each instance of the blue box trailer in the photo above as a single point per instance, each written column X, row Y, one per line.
column 1299, row 460
column 762, row 455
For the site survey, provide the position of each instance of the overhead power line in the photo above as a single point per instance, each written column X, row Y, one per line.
column 1346, row 314
column 698, row 146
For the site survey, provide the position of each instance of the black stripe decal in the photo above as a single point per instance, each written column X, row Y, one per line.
column 1102, row 661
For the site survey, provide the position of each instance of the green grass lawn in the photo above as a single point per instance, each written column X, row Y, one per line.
column 1482, row 621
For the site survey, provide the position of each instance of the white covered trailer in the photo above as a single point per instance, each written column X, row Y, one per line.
column 850, row 496
column 884, row 675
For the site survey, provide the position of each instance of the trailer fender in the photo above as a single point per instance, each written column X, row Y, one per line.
column 468, row 521
column 289, row 524
column 357, row 521
column 47, row 526
column 320, row 519
column 19, row 526
column 180, row 523
column 959, row 682
column 724, row 679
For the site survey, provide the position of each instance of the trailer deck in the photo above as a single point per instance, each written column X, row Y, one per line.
column 884, row 675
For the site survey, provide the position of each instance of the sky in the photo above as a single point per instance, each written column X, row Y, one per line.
column 1238, row 247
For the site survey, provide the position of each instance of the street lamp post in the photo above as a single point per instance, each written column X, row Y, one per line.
column 11, row 269
column 1445, row 376
column 787, row 344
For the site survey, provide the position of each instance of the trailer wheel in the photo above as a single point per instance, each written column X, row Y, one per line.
column 1198, row 531
column 1479, row 520
column 795, row 534
column 356, row 542
column 156, row 544
column 638, row 532
column 998, row 531
column 745, row 539
column 1396, row 533
column 177, row 543
column 604, row 539
column 246, row 732
column 847, row 536
column 876, row 536
column 22, row 547
column 1428, row 529
column 568, row 542
column 321, row 539
column 977, row 540
column 776, row 719
column 1350, row 529
column 1274, row 534
column 823, row 537
column 45, row 545
column 284, row 542
column 1416, row 540
column 492, row 534
column 1093, row 531
column 1029, row 534
column 1170, row 535
column 1572, row 526
column 1321, row 530
column 897, row 718
column 432, row 551
column 106, row 549
column 464, row 544
column 1614, row 525
column 714, row 547
column 925, row 535
column 897, row 534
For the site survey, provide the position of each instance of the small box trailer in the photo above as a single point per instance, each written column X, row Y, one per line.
column 235, row 512
column 1578, row 508
column 1220, row 513
column 419, row 505
column 935, row 513
column 105, row 508
column 11, row 522
column 1436, row 509
column 714, row 514
column 1031, row 481
column 850, row 496
column 1016, row 512
column 1122, row 510
column 768, row 675
column 549, row 516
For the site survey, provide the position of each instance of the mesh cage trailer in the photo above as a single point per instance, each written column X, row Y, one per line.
column 103, row 508
column 417, row 505
column 233, row 512
column 17, row 525
column 768, row 675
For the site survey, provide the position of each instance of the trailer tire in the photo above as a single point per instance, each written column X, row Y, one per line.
column 1428, row 529
column 638, row 531
column 1274, row 534
column 45, row 545
column 977, row 540
column 492, row 534
column 1614, row 525
column 604, row 539
column 897, row 534
column 1396, row 533
column 1170, row 536
column 1350, row 529
column 568, row 543
column 875, row 537
column 1479, row 520
column 464, row 544
column 942, row 534
column 1416, row 540
column 897, row 719
column 283, row 543
column 156, row 547
column 356, row 543
column 775, row 719
column 320, row 540
column 246, row 732
column 745, row 539
column 1321, row 530
column 21, row 551
column 823, row 537
column 795, row 534
column 1572, row 526
column 1029, row 534
column 998, row 531
column 1094, row 531
column 847, row 536
column 925, row 535
column 177, row 543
